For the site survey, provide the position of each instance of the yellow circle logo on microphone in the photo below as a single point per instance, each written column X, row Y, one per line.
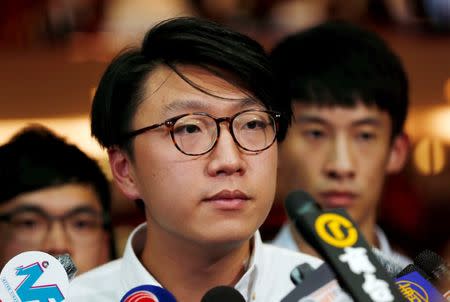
column 336, row 230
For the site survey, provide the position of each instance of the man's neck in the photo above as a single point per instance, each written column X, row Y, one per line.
column 188, row 271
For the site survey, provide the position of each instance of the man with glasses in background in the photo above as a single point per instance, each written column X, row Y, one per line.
column 191, row 121
column 55, row 199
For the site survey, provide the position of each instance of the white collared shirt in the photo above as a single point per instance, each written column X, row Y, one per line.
column 266, row 279
column 285, row 240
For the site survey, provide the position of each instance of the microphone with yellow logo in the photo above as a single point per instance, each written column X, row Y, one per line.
column 334, row 235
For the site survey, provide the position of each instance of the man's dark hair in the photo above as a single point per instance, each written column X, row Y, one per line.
column 341, row 64
column 35, row 158
column 181, row 41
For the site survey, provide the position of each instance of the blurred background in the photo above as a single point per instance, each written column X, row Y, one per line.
column 53, row 52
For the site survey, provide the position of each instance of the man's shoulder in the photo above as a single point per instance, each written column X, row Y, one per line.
column 99, row 282
column 274, row 270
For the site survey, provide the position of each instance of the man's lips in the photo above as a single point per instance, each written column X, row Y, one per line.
column 337, row 199
column 228, row 199
column 227, row 194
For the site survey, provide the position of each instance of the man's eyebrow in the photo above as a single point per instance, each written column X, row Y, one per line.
column 194, row 105
column 184, row 105
column 82, row 209
column 367, row 121
column 36, row 209
column 304, row 119
column 25, row 208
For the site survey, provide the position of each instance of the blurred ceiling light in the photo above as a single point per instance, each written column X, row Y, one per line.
column 429, row 156
column 139, row 15
column 429, row 121
column 438, row 123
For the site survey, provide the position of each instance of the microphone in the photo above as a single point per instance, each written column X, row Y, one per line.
column 335, row 236
column 223, row 294
column 321, row 284
column 318, row 285
column 35, row 276
column 413, row 284
column 434, row 265
column 150, row 293
column 299, row 273
column 68, row 265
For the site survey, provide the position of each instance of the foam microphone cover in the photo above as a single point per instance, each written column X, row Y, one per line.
column 433, row 265
column 223, row 294
column 68, row 265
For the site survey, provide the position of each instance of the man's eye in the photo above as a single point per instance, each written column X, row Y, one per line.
column 84, row 224
column 366, row 136
column 187, row 129
column 27, row 223
column 255, row 125
column 314, row 134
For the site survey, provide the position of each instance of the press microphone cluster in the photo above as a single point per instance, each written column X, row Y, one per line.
column 158, row 294
column 414, row 285
column 321, row 285
column 437, row 270
column 334, row 235
column 424, row 280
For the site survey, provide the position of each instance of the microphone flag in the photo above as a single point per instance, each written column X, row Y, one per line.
column 33, row 276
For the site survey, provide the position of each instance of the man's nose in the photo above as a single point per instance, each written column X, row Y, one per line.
column 226, row 157
column 340, row 164
column 57, row 240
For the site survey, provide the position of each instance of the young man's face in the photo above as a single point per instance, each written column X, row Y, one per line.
column 220, row 197
column 340, row 156
column 56, row 220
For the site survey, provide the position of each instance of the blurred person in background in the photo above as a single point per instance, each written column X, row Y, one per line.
column 349, row 94
column 31, row 23
column 53, row 198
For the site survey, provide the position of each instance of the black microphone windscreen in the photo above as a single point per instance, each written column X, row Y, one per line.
column 299, row 202
column 433, row 265
column 223, row 294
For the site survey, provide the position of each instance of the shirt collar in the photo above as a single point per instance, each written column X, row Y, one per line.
column 246, row 284
column 133, row 273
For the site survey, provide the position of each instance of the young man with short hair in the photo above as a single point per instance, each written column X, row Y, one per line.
column 349, row 94
column 191, row 121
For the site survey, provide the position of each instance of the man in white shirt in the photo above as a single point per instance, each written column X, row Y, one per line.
column 191, row 121
column 349, row 95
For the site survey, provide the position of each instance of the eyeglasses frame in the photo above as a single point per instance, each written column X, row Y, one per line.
column 169, row 123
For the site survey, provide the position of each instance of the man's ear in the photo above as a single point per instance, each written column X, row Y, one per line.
column 398, row 154
column 122, row 171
